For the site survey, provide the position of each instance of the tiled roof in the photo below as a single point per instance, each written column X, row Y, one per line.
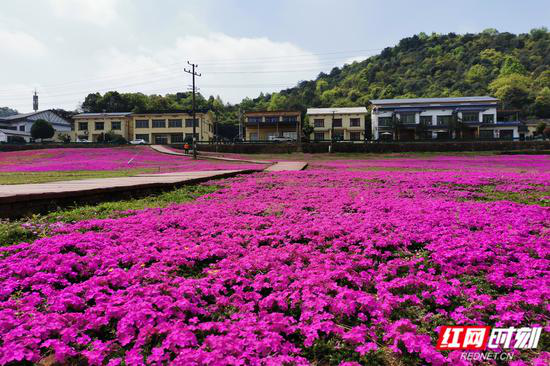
column 341, row 110
column 111, row 114
column 434, row 100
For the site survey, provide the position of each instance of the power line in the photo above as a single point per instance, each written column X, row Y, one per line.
column 166, row 68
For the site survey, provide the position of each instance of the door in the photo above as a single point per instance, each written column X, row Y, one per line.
column 161, row 140
column 506, row 134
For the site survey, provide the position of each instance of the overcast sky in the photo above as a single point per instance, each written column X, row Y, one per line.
column 69, row 48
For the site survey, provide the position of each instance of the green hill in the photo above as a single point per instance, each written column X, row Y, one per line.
column 514, row 68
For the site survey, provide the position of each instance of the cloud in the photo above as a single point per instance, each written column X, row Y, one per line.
column 353, row 59
column 232, row 67
column 15, row 44
column 98, row 12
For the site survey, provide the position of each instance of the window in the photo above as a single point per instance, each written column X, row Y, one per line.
column 142, row 123
column 99, row 126
column 337, row 122
column 115, row 125
column 272, row 119
column 384, row 121
column 254, row 119
column 488, row 118
column 253, row 136
column 189, row 136
column 338, row 136
column 426, row 120
column 355, row 122
column 319, row 122
column 176, row 137
column 159, row 123
column 355, row 136
column 319, row 136
column 22, row 128
column 175, row 123
column 289, row 119
column 470, row 117
column 442, row 135
column 161, row 139
column 189, row 122
column 144, row 136
column 486, row 134
column 408, row 118
column 443, row 120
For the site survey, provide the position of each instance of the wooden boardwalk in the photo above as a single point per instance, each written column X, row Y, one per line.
column 165, row 150
column 283, row 166
column 21, row 199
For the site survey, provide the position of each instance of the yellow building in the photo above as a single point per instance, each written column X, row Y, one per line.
column 155, row 128
column 272, row 125
column 90, row 126
column 170, row 128
column 342, row 124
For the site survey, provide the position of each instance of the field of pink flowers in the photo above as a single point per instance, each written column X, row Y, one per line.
column 116, row 158
column 340, row 264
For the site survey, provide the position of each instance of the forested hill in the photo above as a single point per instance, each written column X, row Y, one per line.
column 514, row 68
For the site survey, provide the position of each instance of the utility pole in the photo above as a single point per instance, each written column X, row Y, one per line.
column 193, row 74
column 240, row 126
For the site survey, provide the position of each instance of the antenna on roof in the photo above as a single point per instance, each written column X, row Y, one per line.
column 35, row 101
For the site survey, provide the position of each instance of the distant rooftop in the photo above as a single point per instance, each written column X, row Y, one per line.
column 434, row 100
column 110, row 114
column 19, row 116
column 341, row 110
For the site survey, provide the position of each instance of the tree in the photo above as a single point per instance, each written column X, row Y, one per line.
column 278, row 102
column 512, row 90
column 6, row 111
column 111, row 137
column 65, row 138
column 542, row 103
column 307, row 128
column 477, row 74
column 541, row 126
column 42, row 129
column 511, row 66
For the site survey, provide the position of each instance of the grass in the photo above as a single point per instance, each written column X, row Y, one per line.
column 37, row 226
column 532, row 197
column 54, row 176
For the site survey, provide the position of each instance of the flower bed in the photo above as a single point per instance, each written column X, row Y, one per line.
column 117, row 158
column 324, row 266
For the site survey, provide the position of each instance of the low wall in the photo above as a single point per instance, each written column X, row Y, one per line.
column 380, row 147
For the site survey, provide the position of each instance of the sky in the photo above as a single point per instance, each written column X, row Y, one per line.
column 66, row 49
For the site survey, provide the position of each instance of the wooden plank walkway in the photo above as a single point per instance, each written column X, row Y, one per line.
column 20, row 199
column 283, row 166
column 279, row 166
column 165, row 150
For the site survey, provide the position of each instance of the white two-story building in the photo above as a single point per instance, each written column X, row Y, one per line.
column 439, row 118
column 340, row 124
